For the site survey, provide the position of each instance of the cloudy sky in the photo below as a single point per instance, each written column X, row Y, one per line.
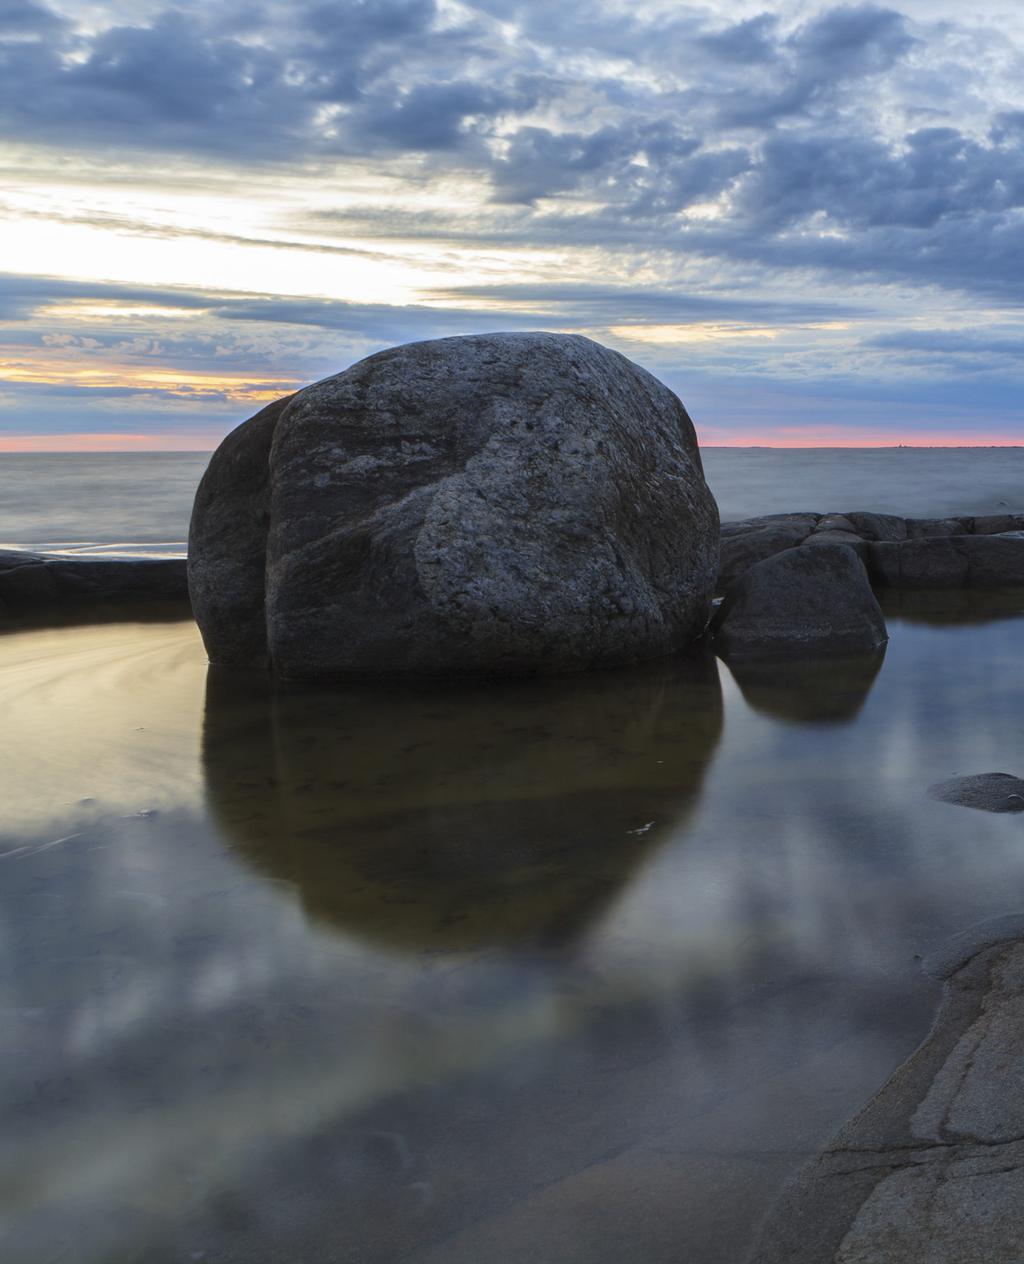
column 807, row 218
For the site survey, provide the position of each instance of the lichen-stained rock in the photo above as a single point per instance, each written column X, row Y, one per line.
column 805, row 600
column 494, row 504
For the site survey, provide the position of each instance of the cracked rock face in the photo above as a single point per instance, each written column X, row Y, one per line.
column 495, row 504
column 932, row 1171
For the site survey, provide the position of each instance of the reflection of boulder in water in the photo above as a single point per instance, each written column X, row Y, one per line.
column 495, row 814
column 952, row 607
column 822, row 690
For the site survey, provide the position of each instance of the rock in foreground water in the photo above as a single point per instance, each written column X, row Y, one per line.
column 803, row 600
column 495, row 504
column 989, row 791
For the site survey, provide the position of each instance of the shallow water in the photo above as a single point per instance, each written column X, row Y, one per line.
column 139, row 503
column 568, row 972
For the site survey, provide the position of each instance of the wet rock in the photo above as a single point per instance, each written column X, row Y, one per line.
column 933, row 1169
column 990, row 791
column 496, row 504
column 815, row 600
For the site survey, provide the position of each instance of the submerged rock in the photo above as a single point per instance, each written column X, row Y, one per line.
column 990, row 791
column 814, row 600
column 496, row 504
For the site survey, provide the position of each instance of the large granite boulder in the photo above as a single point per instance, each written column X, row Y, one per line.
column 816, row 601
column 495, row 504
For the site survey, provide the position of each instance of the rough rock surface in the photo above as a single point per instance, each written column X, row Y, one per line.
column 34, row 581
column 503, row 503
column 970, row 561
column 990, row 791
column 982, row 552
column 932, row 1171
column 803, row 600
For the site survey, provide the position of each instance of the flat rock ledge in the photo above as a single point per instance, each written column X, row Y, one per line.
column 30, row 582
column 932, row 1170
column 968, row 552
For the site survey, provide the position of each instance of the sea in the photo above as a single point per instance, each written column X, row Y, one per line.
column 118, row 504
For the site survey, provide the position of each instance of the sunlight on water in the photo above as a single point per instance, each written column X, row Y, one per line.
column 563, row 971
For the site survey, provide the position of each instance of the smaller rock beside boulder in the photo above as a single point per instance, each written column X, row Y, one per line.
column 989, row 791
column 802, row 600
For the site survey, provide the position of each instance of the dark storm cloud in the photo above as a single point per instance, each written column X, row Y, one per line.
column 600, row 303
column 809, row 69
column 581, row 128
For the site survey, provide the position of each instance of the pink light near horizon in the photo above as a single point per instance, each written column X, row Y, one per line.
column 709, row 436
column 109, row 443
column 843, row 437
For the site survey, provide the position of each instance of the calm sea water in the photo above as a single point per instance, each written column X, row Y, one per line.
column 140, row 502
column 571, row 972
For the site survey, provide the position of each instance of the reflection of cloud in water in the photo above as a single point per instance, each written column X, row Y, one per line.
column 503, row 813
column 812, row 690
column 263, row 1085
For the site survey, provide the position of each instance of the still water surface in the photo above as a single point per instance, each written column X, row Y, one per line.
column 140, row 502
column 573, row 972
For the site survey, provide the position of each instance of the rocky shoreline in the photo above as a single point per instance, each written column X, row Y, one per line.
column 968, row 552
column 907, row 553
